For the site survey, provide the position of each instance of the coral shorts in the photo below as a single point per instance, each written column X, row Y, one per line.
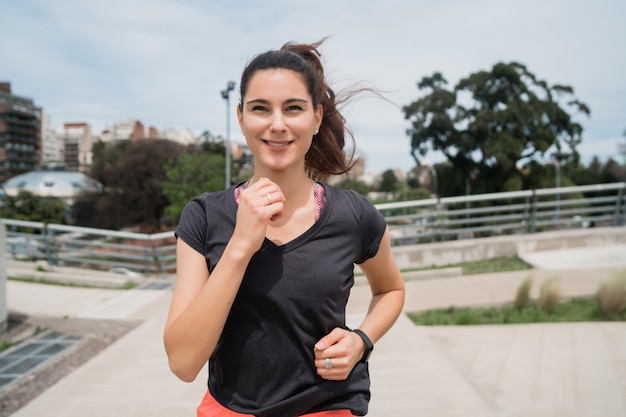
column 209, row 407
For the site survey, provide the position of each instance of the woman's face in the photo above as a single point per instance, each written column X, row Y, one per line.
column 278, row 120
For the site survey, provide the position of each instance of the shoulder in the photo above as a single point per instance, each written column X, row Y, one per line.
column 346, row 196
column 206, row 216
column 208, row 206
column 208, row 200
column 349, row 200
column 361, row 216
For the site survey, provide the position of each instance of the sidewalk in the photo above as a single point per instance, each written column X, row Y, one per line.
column 514, row 370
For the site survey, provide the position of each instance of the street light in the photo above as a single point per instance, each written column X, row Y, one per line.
column 226, row 96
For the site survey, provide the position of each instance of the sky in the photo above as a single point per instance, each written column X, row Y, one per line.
column 165, row 62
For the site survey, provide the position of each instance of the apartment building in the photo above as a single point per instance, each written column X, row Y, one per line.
column 77, row 142
column 128, row 130
column 51, row 144
column 20, row 133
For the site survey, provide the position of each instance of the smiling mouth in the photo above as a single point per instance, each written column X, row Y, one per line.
column 277, row 144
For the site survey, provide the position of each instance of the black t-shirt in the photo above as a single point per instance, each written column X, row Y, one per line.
column 291, row 296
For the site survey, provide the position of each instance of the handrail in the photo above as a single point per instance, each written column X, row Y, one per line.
column 434, row 219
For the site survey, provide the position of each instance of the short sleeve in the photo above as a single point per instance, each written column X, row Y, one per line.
column 192, row 228
column 372, row 226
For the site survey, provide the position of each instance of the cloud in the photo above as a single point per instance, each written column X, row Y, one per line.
column 603, row 148
column 165, row 62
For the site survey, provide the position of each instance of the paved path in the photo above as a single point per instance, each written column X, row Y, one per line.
column 552, row 370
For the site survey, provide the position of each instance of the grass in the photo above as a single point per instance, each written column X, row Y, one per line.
column 576, row 310
column 5, row 345
column 608, row 304
column 522, row 296
column 486, row 266
column 548, row 296
column 611, row 295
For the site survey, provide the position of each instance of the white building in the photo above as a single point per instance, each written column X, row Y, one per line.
column 184, row 137
column 77, row 143
column 51, row 143
column 66, row 185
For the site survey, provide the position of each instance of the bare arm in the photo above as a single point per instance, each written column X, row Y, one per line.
column 199, row 308
column 201, row 304
column 387, row 286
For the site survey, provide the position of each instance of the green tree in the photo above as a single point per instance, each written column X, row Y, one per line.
column 491, row 122
column 356, row 185
column 389, row 182
column 27, row 206
column 190, row 175
column 132, row 174
column 613, row 172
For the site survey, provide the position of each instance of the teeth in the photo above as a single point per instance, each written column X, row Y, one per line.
column 276, row 143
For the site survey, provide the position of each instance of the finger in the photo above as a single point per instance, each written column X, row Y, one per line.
column 336, row 362
column 271, row 195
column 260, row 196
column 330, row 339
column 263, row 193
column 333, row 373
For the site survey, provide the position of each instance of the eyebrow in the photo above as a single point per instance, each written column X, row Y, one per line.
column 288, row 101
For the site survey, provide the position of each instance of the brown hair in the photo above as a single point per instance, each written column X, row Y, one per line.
column 326, row 156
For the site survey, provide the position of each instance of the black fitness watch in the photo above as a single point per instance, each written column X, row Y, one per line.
column 369, row 346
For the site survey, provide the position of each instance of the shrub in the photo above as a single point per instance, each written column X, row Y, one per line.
column 522, row 296
column 548, row 296
column 611, row 296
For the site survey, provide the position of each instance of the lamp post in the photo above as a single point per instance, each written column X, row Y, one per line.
column 226, row 96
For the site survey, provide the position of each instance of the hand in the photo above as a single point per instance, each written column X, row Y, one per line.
column 344, row 348
column 259, row 204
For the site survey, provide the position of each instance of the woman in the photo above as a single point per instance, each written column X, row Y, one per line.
column 264, row 269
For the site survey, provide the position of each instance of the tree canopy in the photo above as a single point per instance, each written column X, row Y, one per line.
column 189, row 176
column 493, row 121
column 26, row 206
column 389, row 182
column 353, row 184
column 132, row 174
column 148, row 181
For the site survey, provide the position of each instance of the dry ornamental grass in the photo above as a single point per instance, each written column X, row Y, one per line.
column 611, row 296
column 549, row 295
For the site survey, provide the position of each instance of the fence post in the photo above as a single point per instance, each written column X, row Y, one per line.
column 527, row 207
column 147, row 256
column 4, row 312
column 533, row 217
column 620, row 208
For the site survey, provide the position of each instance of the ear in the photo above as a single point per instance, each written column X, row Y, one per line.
column 240, row 117
column 319, row 115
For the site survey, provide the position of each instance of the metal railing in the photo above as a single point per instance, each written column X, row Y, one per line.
column 410, row 222
column 518, row 212
column 84, row 247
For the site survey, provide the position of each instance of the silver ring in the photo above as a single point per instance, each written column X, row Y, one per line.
column 269, row 200
column 329, row 363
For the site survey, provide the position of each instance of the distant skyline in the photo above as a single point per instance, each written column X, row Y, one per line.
column 164, row 62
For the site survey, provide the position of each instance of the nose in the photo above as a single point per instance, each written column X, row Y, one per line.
column 278, row 123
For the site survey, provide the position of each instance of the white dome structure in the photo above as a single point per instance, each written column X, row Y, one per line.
column 66, row 185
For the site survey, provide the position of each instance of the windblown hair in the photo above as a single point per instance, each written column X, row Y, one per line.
column 326, row 156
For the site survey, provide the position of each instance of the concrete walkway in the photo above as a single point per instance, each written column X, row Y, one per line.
column 514, row 370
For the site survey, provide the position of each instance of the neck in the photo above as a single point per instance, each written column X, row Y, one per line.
column 296, row 188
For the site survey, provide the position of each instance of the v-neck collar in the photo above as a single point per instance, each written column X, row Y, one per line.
column 304, row 236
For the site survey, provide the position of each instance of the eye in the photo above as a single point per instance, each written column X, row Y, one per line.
column 294, row 107
column 258, row 107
